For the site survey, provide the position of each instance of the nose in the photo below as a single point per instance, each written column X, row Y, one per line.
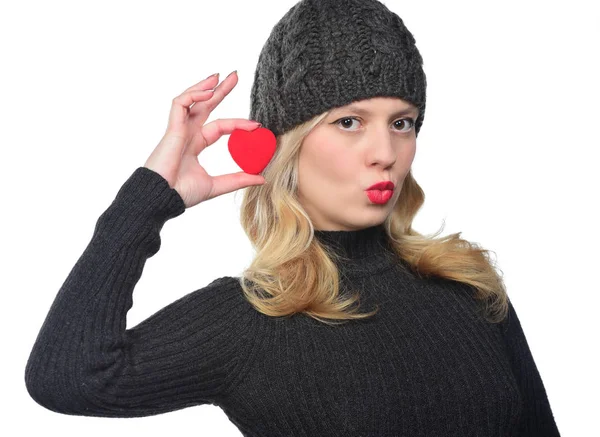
column 384, row 148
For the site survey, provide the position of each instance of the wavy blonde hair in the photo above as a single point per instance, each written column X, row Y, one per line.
column 292, row 272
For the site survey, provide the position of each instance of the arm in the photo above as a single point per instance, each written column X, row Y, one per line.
column 84, row 360
column 537, row 418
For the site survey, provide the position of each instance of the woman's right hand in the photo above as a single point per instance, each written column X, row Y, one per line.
column 175, row 158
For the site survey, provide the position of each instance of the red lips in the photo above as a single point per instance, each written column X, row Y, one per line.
column 385, row 185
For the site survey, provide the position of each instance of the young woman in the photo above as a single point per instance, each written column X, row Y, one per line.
column 286, row 349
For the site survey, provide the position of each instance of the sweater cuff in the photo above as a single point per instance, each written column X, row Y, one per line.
column 147, row 193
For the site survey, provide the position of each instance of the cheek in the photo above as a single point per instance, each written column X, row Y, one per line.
column 331, row 163
column 411, row 152
column 345, row 167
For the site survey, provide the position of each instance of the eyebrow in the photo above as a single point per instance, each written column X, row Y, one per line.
column 366, row 112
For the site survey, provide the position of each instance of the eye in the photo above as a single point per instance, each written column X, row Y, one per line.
column 404, row 122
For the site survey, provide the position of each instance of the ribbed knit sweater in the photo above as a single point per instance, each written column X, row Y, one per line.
column 427, row 364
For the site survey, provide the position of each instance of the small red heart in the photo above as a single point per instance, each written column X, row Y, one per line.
column 252, row 150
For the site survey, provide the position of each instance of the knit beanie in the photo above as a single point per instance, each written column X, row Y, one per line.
column 328, row 53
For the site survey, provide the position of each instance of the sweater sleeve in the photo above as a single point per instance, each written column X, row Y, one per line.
column 84, row 360
column 537, row 418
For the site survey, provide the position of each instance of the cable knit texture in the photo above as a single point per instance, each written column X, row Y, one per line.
column 330, row 53
column 427, row 364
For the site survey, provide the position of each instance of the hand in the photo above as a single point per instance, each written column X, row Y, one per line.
column 175, row 158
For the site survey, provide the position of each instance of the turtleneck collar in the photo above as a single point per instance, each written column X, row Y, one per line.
column 365, row 250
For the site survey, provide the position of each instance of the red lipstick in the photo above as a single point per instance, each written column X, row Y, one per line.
column 380, row 192
column 384, row 185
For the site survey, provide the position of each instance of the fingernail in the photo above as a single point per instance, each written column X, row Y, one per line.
column 212, row 75
column 234, row 71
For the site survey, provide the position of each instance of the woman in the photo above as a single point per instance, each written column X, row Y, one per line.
column 285, row 350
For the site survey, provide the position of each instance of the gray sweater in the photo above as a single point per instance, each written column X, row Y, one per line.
column 426, row 365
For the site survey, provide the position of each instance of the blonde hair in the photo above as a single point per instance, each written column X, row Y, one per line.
column 292, row 272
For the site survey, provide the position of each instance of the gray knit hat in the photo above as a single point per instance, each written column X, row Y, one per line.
column 328, row 53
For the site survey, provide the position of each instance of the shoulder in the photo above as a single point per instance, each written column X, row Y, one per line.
column 222, row 300
column 223, row 289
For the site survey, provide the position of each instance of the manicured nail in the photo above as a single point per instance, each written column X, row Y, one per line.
column 212, row 75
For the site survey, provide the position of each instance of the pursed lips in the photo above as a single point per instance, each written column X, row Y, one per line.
column 384, row 185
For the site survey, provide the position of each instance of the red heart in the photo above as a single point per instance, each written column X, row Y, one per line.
column 252, row 150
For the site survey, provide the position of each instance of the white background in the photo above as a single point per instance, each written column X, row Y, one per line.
column 508, row 154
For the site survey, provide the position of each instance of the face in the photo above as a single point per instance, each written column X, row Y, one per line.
column 354, row 147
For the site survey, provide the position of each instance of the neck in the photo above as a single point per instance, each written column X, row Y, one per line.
column 362, row 251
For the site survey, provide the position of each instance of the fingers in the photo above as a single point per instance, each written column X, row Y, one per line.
column 227, row 183
column 214, row 130
column 185, row 104
column 221, row 91
column 189, row 97
column 199, row 92
column 205, row 84
column 180, row 106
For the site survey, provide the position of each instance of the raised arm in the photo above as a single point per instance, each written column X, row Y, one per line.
column 84, row 360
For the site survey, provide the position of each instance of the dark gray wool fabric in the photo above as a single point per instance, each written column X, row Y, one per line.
column 427, row 364
column 329, row 53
